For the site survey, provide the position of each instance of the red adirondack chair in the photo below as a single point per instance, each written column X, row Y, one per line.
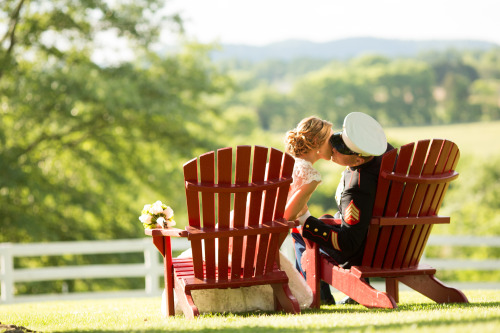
column 248, row 243
column 410, row 190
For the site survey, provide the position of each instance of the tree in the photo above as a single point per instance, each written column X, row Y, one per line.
column 330, row 94
column 450, row 61
column 397, row 92
column 402, row 92
column 456, row 102
column 485, row 94
column 83, row 146
column 489, row 64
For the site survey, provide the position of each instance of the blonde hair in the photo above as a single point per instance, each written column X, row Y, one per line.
column 309, row 134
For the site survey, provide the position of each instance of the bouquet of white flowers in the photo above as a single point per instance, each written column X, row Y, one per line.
column 157, row 213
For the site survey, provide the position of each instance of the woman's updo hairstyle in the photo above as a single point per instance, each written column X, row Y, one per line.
column 309, row 134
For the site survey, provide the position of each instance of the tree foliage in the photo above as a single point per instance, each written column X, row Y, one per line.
column 435, row 88
column 84, row 146
column 473, row 201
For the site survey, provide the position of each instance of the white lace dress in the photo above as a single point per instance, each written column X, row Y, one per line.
column 303, row 173
column 257, row 297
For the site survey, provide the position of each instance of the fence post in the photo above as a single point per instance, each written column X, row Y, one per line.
column 6, row 273
column 152, row 278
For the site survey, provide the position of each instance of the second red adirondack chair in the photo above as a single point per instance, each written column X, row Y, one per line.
column 410, row 191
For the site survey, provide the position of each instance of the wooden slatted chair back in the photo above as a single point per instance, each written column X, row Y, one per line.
column 410, row 191
column 225, row 200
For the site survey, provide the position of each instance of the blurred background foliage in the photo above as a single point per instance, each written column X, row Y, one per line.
column 85, row 144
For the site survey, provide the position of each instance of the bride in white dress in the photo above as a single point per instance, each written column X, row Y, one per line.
column 307, row 143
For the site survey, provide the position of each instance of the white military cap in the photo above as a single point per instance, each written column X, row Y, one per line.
column 363, row 134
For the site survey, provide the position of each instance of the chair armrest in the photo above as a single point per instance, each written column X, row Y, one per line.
column 161, row 239
column 169, row 232
column 291, row 224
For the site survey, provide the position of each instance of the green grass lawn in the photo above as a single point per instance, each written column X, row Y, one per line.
column 480, row 139
column 415, row 313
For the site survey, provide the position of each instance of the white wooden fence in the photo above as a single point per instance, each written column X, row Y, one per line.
column 152, row 268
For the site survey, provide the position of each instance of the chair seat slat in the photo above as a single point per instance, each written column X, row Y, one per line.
column 187, row 274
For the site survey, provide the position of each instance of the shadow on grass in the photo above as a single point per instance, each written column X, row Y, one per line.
column 331, row 309
column 401, row 327
column 435, row 306
column 180, row 324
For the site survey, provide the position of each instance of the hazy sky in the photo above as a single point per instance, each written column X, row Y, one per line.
column 260, row 22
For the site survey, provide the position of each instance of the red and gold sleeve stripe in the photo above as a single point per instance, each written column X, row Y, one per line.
column 335, row 241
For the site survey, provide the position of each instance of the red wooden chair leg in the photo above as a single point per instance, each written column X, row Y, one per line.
column 285, row 298
column 169, row 300
column 431, row 287
column 169, row 277
column 357, row 288
column 310, row 265
column 186, row 303
column 392, row 288
column 163, row 245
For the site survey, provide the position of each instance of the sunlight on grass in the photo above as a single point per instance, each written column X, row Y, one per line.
column 415, row 313
column 472, row 138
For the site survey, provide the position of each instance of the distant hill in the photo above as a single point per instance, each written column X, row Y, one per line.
column 343, row 49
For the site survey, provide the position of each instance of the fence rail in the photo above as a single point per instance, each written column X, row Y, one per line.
column 462, row 264
column 152, row 269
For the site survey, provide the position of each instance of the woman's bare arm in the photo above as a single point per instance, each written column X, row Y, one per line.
column 298, row 201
